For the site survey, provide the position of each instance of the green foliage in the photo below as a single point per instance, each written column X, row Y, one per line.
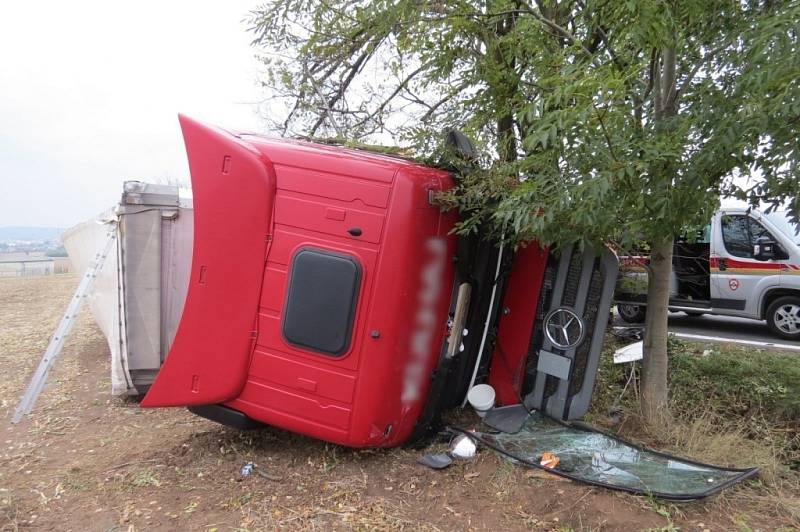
column 749, row 391
column 736, row 383
column 598, row 120
column 631, row 284
column 732, row 382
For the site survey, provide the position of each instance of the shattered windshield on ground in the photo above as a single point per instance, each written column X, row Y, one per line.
column 597, row 458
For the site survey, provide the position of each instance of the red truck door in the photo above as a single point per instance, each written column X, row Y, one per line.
column 234, row 191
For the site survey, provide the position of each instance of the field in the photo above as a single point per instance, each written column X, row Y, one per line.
column 85, row 461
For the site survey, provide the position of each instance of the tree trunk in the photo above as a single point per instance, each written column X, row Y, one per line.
column 654, row 401
column 654, row 365
column 506, row 90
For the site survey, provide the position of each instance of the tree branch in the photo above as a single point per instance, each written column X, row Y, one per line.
column 686, row 82
column 402, row 85
column 327, row 113
column 432, row 109
column 555, row 27
column 668, row 81
column 605, row 133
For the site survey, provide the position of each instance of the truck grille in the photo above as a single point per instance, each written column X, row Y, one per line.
column 559, row 380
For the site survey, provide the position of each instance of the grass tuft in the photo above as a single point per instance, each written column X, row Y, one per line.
column 730, row 406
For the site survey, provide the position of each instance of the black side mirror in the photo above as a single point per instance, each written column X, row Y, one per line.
column 766, row 249
column 460, row 145
column 459, row 154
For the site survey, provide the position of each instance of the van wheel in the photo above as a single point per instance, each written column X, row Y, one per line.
column 632, row 313
column 783, row 317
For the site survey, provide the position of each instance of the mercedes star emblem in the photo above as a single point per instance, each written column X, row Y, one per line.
column 563, row 328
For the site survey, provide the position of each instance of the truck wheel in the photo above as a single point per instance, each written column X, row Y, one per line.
column 783, row 317
column 632, row 313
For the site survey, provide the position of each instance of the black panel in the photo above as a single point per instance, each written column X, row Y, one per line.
column 321, row 301
column 590, row 314
column 543, row 307
column 476, row 264
column 731, row 304
column 690, row 262
column 225, row 416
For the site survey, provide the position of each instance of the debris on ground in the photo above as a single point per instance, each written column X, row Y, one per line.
column 597, row 458
column 628, row 333
column 629, row 353
column 549, row 460
column 436, row 460
column 463, row 447
column 246, row 470
column 249, row 468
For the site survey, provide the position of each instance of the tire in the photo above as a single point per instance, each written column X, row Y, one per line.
column 693, row 314
column 783, row 317
column 632, row 313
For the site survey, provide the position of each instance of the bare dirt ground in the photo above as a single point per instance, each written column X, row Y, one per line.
column 85, row 461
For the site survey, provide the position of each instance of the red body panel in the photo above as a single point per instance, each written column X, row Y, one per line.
column 310, row 196
column 516, row 323
column 234, row 190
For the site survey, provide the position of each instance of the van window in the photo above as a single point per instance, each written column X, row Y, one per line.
column 705, row 237
column 739, row 234
column 321, row 301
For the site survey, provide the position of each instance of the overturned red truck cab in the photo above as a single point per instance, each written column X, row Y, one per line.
column 328, row 295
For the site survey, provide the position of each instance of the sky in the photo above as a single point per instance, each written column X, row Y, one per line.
column 90, row 92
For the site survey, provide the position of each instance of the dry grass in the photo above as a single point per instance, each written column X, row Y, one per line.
column 9, row 513
column 707, row 438
column 710, row 439
column 30, row 310
column 726, row 413
column 341, row 506
column 84, row 461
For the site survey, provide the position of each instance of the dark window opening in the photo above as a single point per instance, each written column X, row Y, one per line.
column 321, row 301
column 740, row 233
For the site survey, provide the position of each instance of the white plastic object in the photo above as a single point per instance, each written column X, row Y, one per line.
column 481, row 397
column 463, row 447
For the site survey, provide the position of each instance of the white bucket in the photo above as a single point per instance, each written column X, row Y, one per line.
column 481, row 397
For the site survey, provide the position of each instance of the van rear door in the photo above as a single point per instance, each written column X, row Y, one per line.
column 234, row 192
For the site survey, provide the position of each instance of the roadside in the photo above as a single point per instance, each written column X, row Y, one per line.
column 84, row 461
column 722, row 329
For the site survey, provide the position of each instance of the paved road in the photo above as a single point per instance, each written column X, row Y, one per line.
column 725, row 328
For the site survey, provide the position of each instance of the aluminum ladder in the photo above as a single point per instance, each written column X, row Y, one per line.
column 64, row 327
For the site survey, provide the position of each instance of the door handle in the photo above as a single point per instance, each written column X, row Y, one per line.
column 723, row 264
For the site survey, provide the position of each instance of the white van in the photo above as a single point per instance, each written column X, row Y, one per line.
column 745, row 264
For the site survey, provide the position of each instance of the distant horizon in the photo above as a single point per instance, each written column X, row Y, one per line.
column 88, row 103
column 21, row 226
column 30, row 233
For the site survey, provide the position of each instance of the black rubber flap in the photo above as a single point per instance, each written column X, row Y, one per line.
column 436, row 461
column 226, row 416
column 594, row 457
column 508, row 419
